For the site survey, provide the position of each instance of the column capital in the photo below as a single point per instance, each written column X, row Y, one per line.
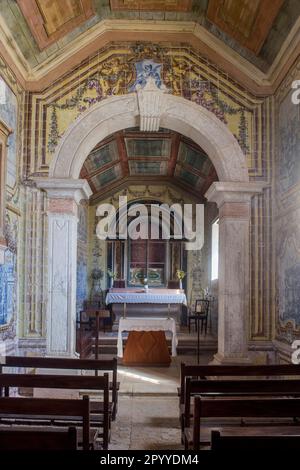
column 233, row 192
column 65, row 188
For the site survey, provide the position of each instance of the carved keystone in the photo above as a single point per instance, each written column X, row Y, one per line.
column 151, row 105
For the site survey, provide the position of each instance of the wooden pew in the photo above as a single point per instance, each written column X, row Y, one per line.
column 232, row 388
column 241, row 408
column 38, row 440
column 68, row 382
column 44, row 408
column 238, row 371
column 204, row 371
column 109, row 365
column 232, row 443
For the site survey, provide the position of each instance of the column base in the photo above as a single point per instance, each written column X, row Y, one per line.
column 220, row 359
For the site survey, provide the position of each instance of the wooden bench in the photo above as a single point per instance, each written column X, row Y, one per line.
column 257, row 408
column 232, row 388
column 237, row 371
column 219, row 442
column 100, row 411
column 16, row 439
column 37, row 409
column 109, row 365
column 204, row 371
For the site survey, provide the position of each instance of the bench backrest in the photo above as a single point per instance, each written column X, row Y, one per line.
column 52, row 407
column 59, row 363
column 241, row 408
column 65, row 363
column 15, row 439
column 203, row 371
column 269, row 387
column 219, row 442
column 66, row 382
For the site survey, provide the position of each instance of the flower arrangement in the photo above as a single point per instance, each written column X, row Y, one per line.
column 112, row 274
column 145, row 282
column 180, row 274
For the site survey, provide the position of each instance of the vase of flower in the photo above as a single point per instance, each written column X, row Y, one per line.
column 112, row 275
column 180, row 276
column 145, row 284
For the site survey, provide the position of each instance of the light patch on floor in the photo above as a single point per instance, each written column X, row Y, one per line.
column 146, row 423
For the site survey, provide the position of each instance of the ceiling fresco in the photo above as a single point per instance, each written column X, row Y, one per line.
column 160, row 157
column 255, row 29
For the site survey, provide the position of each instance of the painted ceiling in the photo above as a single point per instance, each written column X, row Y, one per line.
column 132, row 156
column 256, row 29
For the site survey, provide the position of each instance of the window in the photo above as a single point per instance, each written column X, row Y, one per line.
column 215, row 250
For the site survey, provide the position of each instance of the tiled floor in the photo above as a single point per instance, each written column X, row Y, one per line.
column 148, row 407
column 146, row 423
column 154, row 380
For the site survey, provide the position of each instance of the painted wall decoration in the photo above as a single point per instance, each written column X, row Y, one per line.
column 289, row 150
column 188, row 74
column 119, row 68
column 81, row 290
column 144, row 70
column 288, row 279
column 82, row 253
column 9, row 114
column 7, row 288
column 288, row 212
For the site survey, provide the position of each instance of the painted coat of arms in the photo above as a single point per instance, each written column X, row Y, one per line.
column 144, row 70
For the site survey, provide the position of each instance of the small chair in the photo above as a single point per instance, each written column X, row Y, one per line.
column 200, row 314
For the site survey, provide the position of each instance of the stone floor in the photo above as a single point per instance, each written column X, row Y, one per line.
column 155, row 380
column 148, row 407
column 146, row 423
column 147, row 416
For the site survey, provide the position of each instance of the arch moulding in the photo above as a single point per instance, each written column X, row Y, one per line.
column 151, row 108
column 178, row 114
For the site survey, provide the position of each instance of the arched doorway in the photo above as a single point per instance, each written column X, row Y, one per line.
column 232, row 194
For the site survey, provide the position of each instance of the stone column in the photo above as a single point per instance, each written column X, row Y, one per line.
column 64, row 196
column 234, row 203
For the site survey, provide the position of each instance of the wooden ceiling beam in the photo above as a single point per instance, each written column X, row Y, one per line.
column 122, row 154
column 149, row 159
column 102, row 169
column 176, row 139
column 123, row 183
column 145, row 135
column 209, row 180
column 191, row 169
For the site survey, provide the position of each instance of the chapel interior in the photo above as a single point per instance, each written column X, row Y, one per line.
column 168, row 105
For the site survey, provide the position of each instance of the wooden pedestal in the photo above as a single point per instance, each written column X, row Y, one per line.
column 145, row 348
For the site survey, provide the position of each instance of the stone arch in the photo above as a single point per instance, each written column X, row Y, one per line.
column 151, row 108
column 178, row 114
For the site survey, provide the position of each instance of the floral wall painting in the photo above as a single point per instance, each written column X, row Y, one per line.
column 121, row 69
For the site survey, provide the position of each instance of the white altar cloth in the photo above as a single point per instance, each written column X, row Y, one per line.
column 152, row 296
column 147, row 324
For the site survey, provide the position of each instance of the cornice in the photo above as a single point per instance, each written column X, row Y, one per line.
column 106, row 31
